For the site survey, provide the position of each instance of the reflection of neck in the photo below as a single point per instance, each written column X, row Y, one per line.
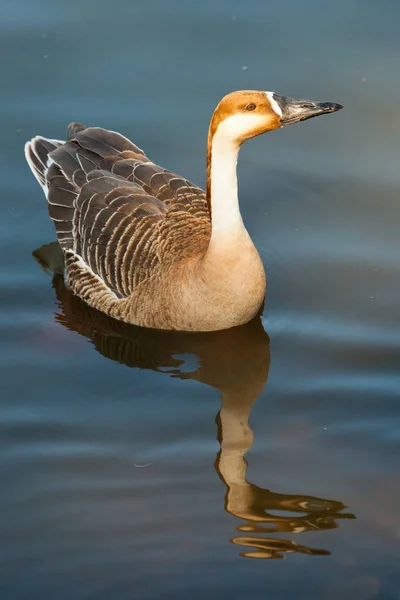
column 222, row 187
column 236, row 438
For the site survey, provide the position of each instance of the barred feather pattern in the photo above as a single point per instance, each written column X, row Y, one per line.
column 120, row 219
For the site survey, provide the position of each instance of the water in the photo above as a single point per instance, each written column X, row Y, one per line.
column 127, row 463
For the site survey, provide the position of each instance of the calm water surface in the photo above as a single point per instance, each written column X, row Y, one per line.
column 136, row 464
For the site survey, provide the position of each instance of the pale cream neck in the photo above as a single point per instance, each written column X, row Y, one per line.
column 226, row 217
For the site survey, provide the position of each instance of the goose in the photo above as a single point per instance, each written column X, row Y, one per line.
column 148, row 247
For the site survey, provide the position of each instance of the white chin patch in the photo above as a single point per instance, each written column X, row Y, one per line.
column 240, row 124
column 274, row 104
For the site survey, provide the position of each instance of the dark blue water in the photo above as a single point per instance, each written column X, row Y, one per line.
column 154, row 466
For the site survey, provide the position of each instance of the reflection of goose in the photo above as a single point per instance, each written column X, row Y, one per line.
column 235, row 362
column 147, row 246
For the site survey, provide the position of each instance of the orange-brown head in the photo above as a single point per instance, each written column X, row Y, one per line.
column 244, row 114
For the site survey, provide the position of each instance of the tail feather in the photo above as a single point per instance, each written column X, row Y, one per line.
column 37, row 155
column 60, row 193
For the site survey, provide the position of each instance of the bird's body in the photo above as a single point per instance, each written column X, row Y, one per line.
column 146, row 246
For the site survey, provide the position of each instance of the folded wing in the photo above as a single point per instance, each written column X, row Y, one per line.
column 124, row 216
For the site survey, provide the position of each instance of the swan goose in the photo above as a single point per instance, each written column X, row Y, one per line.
column 148, row 247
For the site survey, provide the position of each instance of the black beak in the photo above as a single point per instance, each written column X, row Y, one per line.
column 300, row 110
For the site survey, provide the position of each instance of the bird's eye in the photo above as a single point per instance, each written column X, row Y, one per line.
column 251, row 106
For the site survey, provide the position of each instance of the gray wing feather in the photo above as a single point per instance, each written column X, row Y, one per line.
column 117, row 210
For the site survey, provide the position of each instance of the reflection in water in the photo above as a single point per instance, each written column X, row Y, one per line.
column 235, row 362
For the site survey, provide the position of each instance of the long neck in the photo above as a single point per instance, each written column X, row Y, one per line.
column 222, row 187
